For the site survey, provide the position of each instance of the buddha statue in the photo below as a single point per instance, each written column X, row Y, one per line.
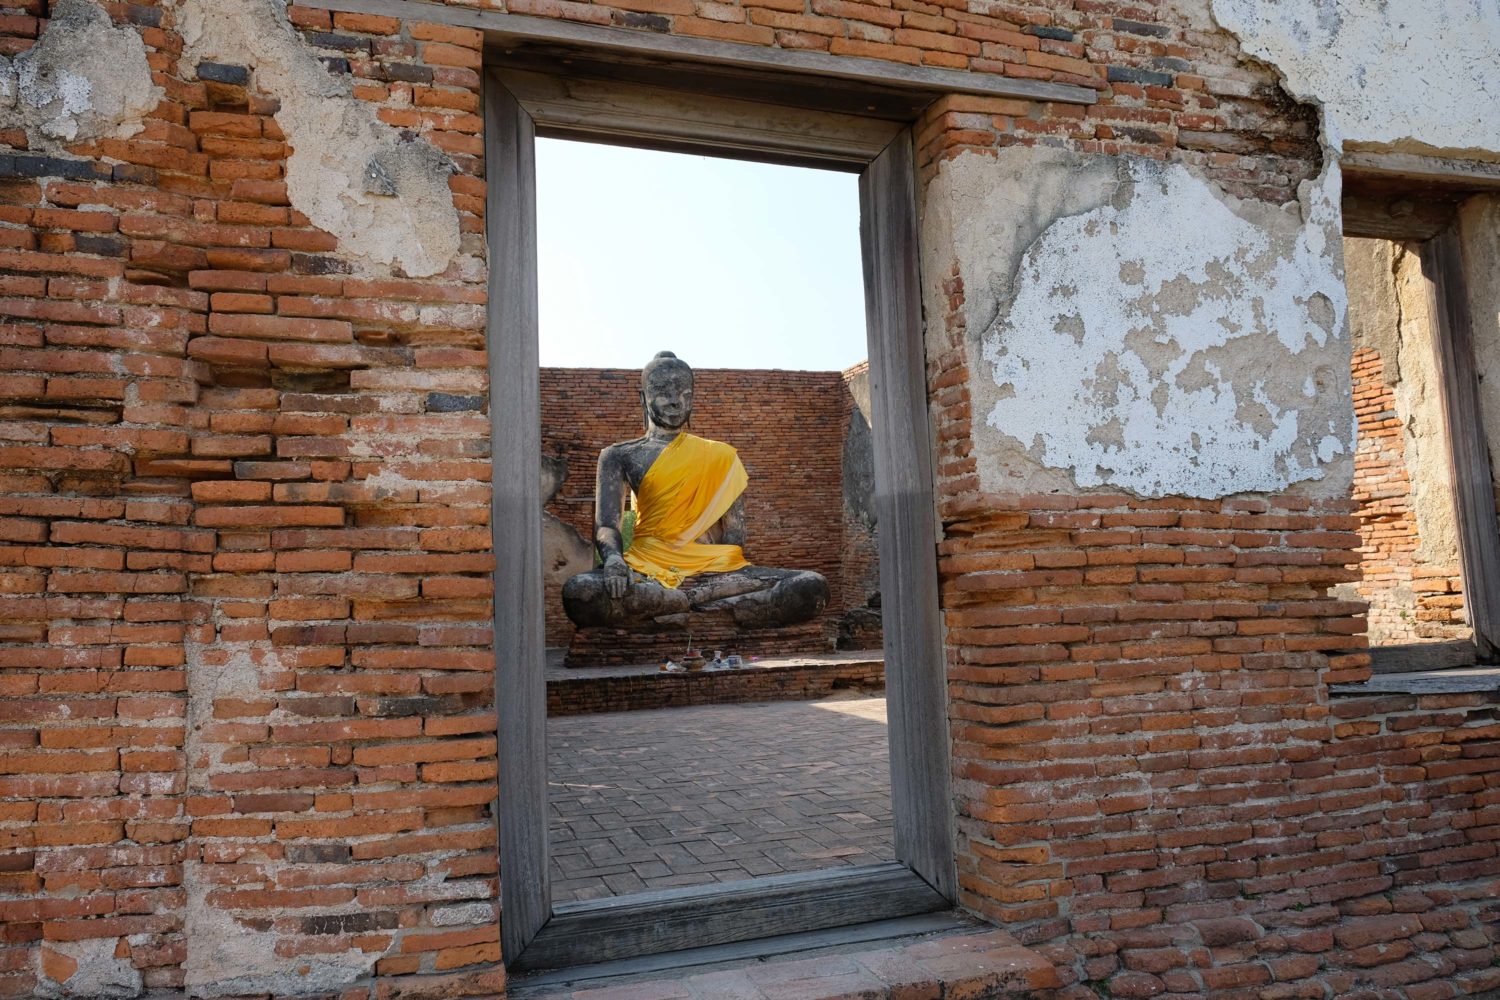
column 686, row 555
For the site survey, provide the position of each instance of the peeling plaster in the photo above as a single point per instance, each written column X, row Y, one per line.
column 383, row 192
column 97, row 970
column 1139, row 330
column 230, row 957
column 85, row 78
column 1386, row 72
column 227, row 956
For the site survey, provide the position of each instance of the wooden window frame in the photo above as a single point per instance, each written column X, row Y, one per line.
column 519, row 106
column 1414, row 199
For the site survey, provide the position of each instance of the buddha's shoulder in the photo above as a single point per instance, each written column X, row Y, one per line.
column 709, row 444
column 623, row 449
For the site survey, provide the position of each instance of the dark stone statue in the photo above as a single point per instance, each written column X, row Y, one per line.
column 686, row 556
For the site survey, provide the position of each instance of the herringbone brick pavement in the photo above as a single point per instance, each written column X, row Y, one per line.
column 717, row 793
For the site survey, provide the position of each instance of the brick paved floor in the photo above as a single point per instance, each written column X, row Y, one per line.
column 716, row 793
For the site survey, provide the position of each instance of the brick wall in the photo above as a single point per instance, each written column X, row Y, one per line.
column 789, row 428
column 1156, row 787
column 1410, row 599
column 246, row 650
column 246, row 653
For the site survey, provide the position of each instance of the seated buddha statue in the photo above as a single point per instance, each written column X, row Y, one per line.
column 686, row 554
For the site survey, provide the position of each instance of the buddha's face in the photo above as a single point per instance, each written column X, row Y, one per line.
column 669, row 396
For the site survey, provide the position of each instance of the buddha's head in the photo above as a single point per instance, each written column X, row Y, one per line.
column 667, row 392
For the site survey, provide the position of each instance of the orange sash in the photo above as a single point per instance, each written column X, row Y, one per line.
column 692, row 483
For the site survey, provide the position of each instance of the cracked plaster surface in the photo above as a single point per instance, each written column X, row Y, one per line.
column 1386, row 72
column 96, row 968
column 85, row 78
column 382, row 191
column 229, row 956
column 1137, row 329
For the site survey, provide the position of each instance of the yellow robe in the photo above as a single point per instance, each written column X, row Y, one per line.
column 692, row 483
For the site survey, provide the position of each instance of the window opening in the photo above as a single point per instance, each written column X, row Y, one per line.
column 1411, row 571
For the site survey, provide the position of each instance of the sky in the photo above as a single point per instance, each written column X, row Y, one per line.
column 727, row 263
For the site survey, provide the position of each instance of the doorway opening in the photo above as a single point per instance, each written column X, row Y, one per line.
column 540, row 930
column 695, row 750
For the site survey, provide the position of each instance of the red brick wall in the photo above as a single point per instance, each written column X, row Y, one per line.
column 245, row 656
column 246, row 646
column 1156, row 786
column 1410, row 600
column 789, row 428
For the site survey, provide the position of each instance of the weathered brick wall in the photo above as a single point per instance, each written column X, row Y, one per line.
column 1410, row 600
column 246, row 650
column 1170, row 83
column 1155, row 786
column 789, row 428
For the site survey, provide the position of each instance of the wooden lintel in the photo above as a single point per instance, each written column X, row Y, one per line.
column 1439, row 171
column 635, row 43
column 661, row 118
column 1397, row 218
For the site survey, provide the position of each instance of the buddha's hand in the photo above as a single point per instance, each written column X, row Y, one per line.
column 617, row 576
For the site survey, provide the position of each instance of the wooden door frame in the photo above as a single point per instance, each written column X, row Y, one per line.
column 520, row 105
column 1470, row 476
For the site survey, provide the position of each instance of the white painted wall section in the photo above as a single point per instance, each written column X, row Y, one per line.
column 1163, row 339
column 1386, row 72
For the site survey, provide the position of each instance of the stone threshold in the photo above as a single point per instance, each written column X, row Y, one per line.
column 918, row 958
column 1453, row 680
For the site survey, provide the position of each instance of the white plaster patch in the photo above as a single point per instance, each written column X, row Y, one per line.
column 1385, row 71
column 1165, row 342
column 384, row 193
column 99, row 973
column 462, row 916
column 85, row 78
column 228, row 957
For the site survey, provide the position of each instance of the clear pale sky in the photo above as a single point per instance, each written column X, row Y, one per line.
column 727, row 263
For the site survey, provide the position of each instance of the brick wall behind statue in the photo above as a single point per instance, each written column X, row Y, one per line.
column 789, row 428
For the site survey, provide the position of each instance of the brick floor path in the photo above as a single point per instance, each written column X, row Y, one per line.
column 688, row 796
